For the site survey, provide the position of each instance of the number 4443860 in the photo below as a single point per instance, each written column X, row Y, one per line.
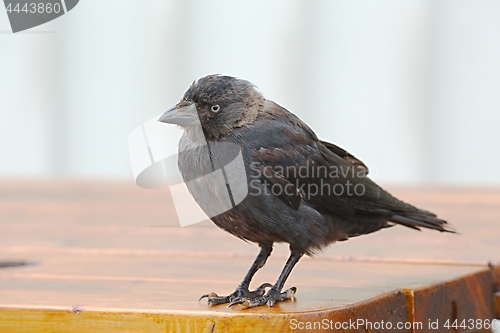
column 472, row 324
column 34, row 8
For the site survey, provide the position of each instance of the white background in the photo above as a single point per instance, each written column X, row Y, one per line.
column 410, row 87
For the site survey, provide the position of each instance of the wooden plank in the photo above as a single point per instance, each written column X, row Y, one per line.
column 176, row 283
column 466, row 301
column 495, row 270
column 108, row 256
column 84, row 214
column 389, row 309
column 76, row 320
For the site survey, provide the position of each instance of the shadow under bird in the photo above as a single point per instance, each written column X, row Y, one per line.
column 301, row 190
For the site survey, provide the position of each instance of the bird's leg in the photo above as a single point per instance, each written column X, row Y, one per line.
column 242, row 289
column 274, row 294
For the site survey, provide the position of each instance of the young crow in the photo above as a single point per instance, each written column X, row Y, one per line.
column 301, row 190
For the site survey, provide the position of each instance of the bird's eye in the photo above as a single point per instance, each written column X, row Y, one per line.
column 215, row 108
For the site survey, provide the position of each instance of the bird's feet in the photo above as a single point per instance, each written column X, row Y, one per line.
column 241, row 292
column 272, row 296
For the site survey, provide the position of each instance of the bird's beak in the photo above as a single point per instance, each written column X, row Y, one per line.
column 180, row 115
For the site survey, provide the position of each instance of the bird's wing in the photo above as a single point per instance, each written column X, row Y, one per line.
column 322, row 174
column 345, row 155
column 288, row 193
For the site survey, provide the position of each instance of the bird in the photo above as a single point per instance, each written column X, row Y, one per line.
column 301, row 190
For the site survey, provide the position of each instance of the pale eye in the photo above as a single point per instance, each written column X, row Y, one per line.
column 215, row 108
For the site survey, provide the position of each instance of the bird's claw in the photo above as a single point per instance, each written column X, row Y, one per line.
column 214, row 299
column 261, row 290
column 209, row 295
column 243, row 301
column 270, row 298
column 241, row 292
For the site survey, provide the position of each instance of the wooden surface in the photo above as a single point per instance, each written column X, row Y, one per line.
column 111, row 257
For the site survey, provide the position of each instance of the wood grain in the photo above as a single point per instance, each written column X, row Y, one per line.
column 111, row 257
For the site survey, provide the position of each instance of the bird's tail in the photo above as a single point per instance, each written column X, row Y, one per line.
column 421, row 220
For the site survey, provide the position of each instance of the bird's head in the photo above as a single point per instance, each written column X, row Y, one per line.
column 218, row 104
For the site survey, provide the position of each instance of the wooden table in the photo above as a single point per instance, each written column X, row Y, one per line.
column 111, row 257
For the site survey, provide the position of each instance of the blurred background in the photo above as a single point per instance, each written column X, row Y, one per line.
column 410, row 87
